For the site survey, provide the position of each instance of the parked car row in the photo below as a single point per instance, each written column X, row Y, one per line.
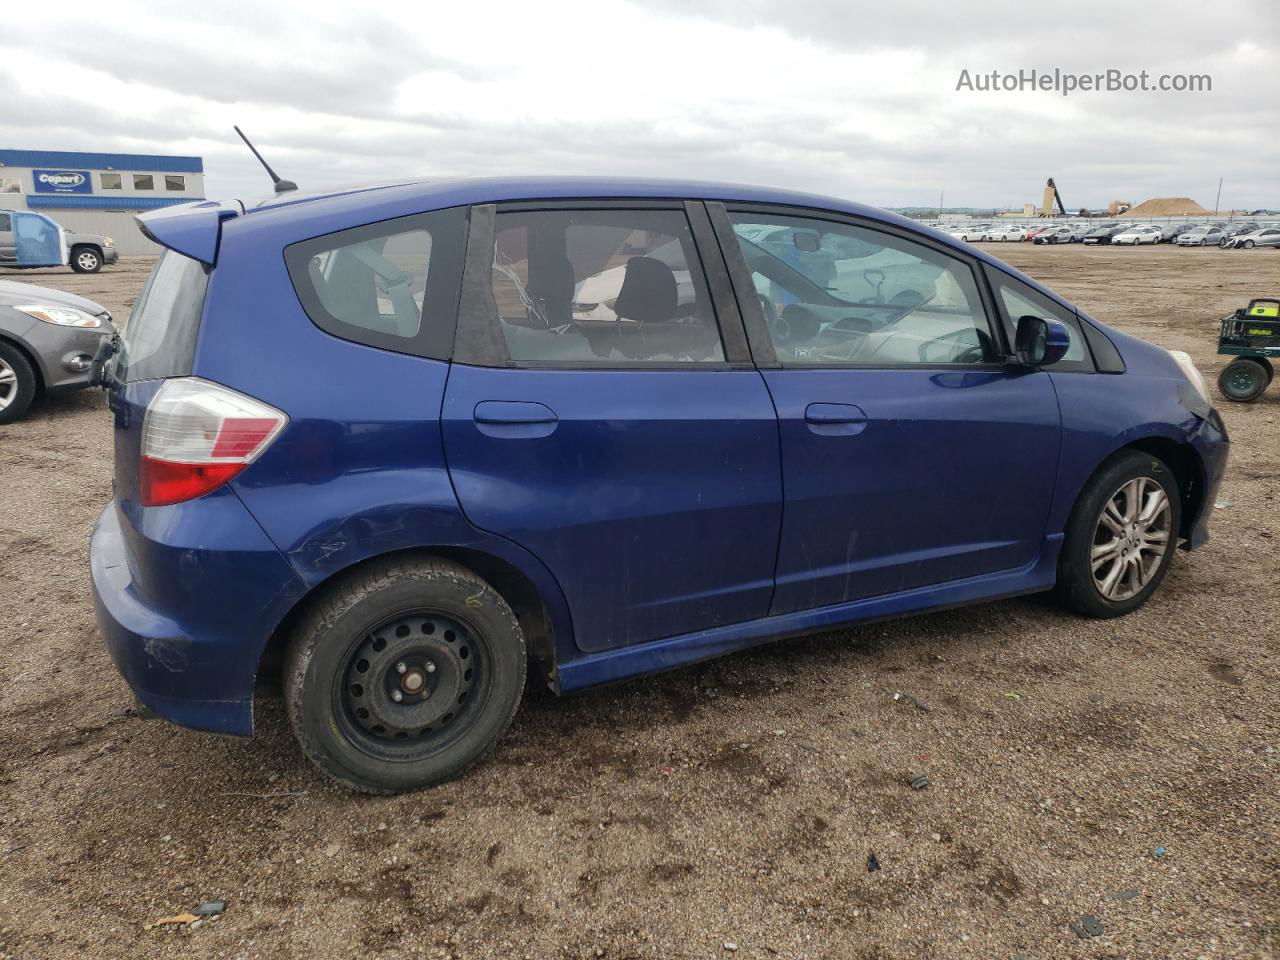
column 1235, row 235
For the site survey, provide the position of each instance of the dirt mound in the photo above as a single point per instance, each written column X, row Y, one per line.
column 1167, row 207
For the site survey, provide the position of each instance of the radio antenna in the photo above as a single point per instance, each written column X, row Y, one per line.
column 281, row 186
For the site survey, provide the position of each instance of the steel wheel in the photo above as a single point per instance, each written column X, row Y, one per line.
column 1131, row 538
column 411, row 685
column 8, row 384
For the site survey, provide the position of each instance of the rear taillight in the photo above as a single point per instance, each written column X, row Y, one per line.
column 197, row 435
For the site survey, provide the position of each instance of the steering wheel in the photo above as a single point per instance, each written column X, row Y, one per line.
column 779, row 329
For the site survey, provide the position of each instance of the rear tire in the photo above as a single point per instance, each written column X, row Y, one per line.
column 17, row 383
column 85, row 260
column 405, row 675
column 1244, row 379
column 1121, row 537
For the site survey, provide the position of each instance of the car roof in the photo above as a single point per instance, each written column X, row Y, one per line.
column 333, row 210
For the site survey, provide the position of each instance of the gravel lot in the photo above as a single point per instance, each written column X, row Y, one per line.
column 726, row 809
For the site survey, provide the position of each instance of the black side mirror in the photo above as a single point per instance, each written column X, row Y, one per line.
column 1040, row 342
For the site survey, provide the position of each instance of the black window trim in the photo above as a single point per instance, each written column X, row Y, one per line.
column 438, row 319
column 479, row 342
column 753, row 316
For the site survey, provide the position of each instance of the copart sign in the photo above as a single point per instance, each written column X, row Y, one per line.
column 62, row 181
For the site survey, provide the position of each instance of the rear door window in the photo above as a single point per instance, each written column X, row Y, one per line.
column 391, row 284
column 160, row 337
column 615, row 288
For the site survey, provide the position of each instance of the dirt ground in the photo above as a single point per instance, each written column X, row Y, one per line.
column 725, row 809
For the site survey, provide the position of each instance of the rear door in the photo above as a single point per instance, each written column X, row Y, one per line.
column 602, row 412
column 911, row 454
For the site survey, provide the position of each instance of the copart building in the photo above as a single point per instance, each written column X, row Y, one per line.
column 99, row 192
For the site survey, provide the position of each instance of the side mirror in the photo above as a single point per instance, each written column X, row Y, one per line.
column 807, row 241
column 1040, row 342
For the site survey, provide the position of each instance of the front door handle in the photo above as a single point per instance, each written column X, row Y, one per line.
column 835, row 419
column 514, row 419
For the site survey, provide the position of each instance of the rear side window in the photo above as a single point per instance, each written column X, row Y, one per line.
column 160, row 337
column 610, row 287
column 1017, row 300
column 391, row 284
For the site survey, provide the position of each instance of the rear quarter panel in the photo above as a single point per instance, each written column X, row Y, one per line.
column 359, row 472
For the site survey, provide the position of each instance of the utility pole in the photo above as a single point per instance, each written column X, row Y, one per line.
column 1218, row 198
column 941, row 194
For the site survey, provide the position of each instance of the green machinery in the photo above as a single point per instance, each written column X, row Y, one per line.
column 1252, row 337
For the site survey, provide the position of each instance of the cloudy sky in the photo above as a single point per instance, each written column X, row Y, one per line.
column 855, row 99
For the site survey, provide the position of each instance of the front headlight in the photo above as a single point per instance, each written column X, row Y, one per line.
column 1183, row 360
column 62, row 316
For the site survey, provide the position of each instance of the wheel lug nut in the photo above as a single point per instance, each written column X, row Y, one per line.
column 400, row 667
column 430, row 667
column 397, row 696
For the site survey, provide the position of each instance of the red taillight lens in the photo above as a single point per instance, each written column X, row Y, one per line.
column 198, row 435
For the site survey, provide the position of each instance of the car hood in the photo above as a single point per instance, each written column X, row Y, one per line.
column 13, row 292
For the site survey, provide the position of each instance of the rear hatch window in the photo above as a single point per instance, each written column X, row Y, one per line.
column 160, row 338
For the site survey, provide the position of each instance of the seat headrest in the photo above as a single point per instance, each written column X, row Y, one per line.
column 648, row 292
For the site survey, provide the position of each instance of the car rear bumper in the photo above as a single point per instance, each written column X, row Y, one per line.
column 186, row 598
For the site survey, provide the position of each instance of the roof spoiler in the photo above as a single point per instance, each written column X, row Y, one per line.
column 191, row 229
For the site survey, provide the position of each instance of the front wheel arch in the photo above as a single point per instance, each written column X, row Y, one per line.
column 1181, row 459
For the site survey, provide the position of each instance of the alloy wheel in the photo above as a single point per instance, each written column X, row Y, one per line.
column 1131, row 538
column 8, row 384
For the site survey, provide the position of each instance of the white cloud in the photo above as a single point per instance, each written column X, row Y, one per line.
column 857, row 100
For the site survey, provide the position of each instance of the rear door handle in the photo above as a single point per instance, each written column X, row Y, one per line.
column 835, row 419
column 514, row 419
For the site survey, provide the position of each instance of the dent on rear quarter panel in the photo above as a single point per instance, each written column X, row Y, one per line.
column 359, row 472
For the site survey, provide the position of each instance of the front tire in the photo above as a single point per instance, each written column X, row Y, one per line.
column 1248, row 244
column 17, row 383
column 1121, row 537
column 86, row 260
column 405, row 675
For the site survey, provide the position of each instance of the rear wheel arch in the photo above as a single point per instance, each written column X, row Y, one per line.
column 511, row 583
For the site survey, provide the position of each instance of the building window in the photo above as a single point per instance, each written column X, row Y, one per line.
column 144, row 181
column 110, row 181
column 10, row 185
column 172, row 182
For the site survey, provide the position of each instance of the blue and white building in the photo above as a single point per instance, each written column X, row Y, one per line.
column 99, row 192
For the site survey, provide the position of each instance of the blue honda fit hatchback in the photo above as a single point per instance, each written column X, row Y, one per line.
column 400, row 447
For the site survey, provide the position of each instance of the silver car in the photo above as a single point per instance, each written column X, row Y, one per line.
column 47, row 343
column 1265, row 237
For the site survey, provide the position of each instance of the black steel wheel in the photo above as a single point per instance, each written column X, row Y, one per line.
column 404, row 674
column 1243, row 379
column 412, row 683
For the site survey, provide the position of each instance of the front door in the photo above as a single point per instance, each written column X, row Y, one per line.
column 597, row 415
column 911, row 455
